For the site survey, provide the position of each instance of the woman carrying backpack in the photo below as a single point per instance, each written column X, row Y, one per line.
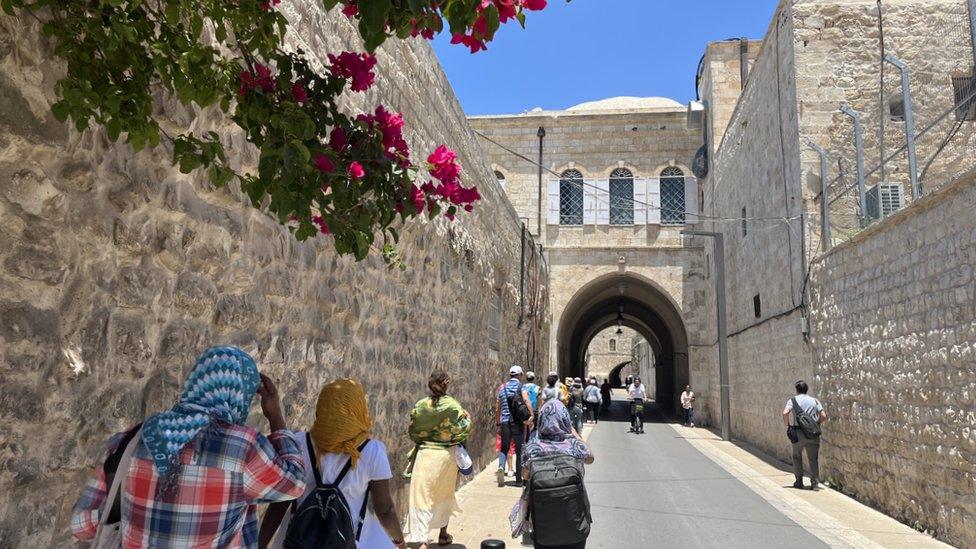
column 438, row 427
column 555, row 450
column 191, row 475
column 343, row 452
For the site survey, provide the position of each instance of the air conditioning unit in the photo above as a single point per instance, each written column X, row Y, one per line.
column 884, row 199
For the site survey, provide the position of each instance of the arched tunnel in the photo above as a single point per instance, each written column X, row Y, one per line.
column 634, row 302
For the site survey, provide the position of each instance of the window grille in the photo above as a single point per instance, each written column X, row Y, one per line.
column 613, row 344
column 571, row 198
column 672, row 196
column 495, row 320
column 621, row 197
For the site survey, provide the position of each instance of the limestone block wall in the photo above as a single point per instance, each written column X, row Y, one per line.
column 894, row 336
column 720, row 83
column 117, row 271
column 602, row 358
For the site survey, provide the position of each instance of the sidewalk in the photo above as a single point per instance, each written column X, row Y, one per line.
column 835, row 518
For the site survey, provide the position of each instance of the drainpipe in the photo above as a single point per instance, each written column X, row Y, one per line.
column 972, row 29
column 744, row 60
column 538, row 227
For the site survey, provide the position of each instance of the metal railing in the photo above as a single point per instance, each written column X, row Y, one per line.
column 910, row 135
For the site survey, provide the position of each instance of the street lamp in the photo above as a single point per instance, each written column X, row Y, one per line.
column 723, row 344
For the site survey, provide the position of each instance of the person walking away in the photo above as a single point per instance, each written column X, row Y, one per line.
column 439, row 426
column 550, row 391
column 804, row 434
column 338, row 451
column 533, row 391
column 199, row 446
column 591, row 398
column 558, row 508
column 513, row 421
column 687, row 403
column 606, row 391
column 637, row 394
column 576, row 412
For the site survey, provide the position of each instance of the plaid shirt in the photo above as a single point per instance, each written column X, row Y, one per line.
column 219, row 487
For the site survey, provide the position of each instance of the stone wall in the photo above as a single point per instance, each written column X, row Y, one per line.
column 894, row 334
column 117, row 271
column 601, row 358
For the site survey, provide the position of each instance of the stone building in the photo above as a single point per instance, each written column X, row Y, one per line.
column 117, row 271
column 609, row 354
column 608, row 202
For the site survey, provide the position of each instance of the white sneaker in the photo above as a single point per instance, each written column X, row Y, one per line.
column 692, row 425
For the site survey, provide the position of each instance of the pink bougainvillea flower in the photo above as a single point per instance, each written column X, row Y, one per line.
column 350, row 10
column 357, row 67
column 298, row 93
column 442, row 164
column 323, row 163
column 534, row 5
column 473, row 44
column 321, row 224
column 337, row 139
column 418, row 198
column 442, row 155
column 260, row 78
column 266, row 6
column 506, row 10
column 356, row 170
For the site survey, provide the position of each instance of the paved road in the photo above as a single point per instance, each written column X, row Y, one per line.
column 656, row 490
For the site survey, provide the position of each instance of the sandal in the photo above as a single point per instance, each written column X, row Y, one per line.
column 445, row 540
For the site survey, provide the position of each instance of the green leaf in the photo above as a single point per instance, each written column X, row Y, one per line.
column 113, row 128
column 373, row 14
column 60, row 111
column 8, row 6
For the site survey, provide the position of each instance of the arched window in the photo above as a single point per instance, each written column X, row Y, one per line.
column 613, row 345
column 672, row 196
column 571, row 198
column 621, row 197
column 501, row 178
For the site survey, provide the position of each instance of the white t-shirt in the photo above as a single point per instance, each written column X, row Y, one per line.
column 807, row 403
column 637, row 391
column 687, row 398
column 373, row 465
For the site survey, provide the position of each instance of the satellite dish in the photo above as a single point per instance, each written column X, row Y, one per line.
column 700, row 164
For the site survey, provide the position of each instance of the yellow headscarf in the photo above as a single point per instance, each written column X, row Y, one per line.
column 342, row 419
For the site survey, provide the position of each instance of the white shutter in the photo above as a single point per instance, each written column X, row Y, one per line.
column 553, row 217
column 691, row 200
column 640, row 202
column 654, row 201
column 589, row 202
column 602, row 201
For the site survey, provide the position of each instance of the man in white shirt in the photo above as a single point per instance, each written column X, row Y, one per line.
column 687, row 403
column 637, row 393
column 815, row 409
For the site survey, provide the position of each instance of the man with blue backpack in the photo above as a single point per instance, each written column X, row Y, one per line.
column 804, row 432
column 513, row 413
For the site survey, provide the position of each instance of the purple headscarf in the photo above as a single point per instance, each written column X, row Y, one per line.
column 554, row 434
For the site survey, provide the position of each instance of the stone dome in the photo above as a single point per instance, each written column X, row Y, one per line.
column 627, row 103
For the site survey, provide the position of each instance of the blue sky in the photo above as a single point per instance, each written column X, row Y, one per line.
column 593, row 49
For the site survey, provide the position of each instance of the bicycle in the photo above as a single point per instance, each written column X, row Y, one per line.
column 637, row 415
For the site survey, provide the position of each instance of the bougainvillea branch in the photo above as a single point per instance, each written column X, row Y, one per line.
column 320, row 170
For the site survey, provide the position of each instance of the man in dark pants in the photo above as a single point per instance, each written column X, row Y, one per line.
column 812, row 407
column 512, row 430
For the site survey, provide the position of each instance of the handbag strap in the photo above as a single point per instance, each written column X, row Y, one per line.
column 118, row 481
column 796, row 411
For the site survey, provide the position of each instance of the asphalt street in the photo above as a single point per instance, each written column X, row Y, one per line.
column 657, row 490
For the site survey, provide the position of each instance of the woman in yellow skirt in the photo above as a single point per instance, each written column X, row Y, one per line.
column 438, row 426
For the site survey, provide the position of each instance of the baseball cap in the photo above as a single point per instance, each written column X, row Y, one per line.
column 515, row 370
column 530, row 375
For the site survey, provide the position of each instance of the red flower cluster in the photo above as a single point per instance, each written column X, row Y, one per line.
column 320, row 223
column 350, row 9
column 260, row 78
column 357, row 67
column 443, row 165
column 266, row 6
column 390, row 125
column 507, row 10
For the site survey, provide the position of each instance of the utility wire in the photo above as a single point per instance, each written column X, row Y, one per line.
column 583, row 183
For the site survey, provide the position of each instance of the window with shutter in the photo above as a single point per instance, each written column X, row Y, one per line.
column 672, row 196
column 621, row 190
column 571, row 198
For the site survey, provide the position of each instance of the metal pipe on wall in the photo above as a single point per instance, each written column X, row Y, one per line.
column 538, row 227
column 906, row 100
column 824, row 198
column 743, row 62
column 859, row 147
column 972, row 30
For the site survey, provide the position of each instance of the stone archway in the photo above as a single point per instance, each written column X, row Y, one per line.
column 637, row 303
column 614, row 376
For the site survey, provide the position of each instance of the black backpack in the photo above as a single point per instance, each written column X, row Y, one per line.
column 323, row 520
column 807, row 423
column 517, row 409
column 559, row 506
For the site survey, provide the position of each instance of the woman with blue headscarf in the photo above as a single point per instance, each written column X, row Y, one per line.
column 196, row 472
